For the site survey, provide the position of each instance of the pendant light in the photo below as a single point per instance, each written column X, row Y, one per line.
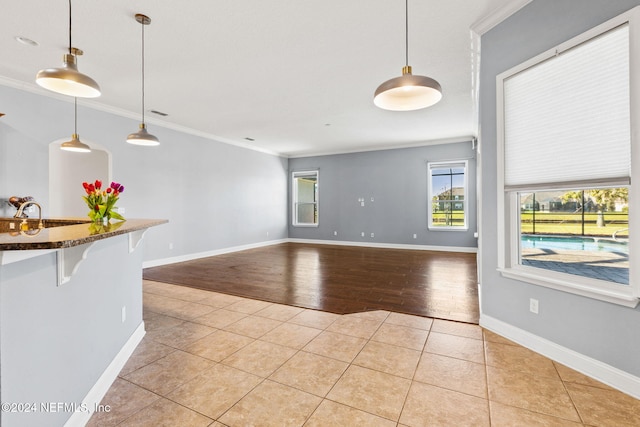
column 142, row 137
column 407, row 92
column 75, row 144
column 67, row 80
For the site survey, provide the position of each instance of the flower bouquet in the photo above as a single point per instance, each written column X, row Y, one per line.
column 102, row 203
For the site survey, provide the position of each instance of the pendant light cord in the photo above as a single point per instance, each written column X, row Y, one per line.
column 75, row 116
column 406, row 32
column 142, row 25
column 70, row 26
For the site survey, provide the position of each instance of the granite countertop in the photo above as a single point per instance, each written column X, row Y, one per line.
column 66, row 236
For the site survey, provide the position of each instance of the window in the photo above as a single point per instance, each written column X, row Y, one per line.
column 305, row 198
column 447, row 195
column 565, row 160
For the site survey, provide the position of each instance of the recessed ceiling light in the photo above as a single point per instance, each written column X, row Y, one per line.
column 160, row 113
column 27, row 41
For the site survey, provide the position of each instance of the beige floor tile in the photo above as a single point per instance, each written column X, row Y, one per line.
column 188, row 310
column 453, row 374
column 181, row 335
column 291, row 335
column 371, row 391
column 510, row 416
column 410, row 321
column 334, row 414
column 279, row 312
column 493, row 337
column 155, row 321
column 164, row 413
column 218, row 345
column 457, row 328
column 248, row 306
column 377, row 315
column 219, row 300
column 310, row 372
column 123, row 400
column 515, row 357
column 401, row 336
column 272, row 404
column 569, row 375
column 601, row 407
column 161, row 304
column 337, row 346
column 220, row 318
column 455, row 346
column 398, row 361
column 533, row 392
column 431, row 406
column 252, row 326
column 314, row 319
column 215, row 390
column 167, row 373
column 260, row 358
column 148, row 351
column 355, row 326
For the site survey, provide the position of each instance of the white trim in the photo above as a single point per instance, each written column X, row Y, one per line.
column 607, row 374
column 198, row 255
column 387, row 245
column 497, row 16
column 32, row 88
column 444, row 163
column 294, row 198
column 100, row 388
column 190, row 257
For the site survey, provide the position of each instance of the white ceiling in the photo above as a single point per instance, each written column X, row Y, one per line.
column 297, row 76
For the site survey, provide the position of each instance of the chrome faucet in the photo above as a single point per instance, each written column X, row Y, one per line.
column 20, row 213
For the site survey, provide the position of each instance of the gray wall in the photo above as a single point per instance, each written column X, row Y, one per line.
column 397, row 181
column 603, row 331
column 214, row 195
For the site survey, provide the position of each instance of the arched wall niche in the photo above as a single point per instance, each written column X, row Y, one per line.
column 67, row 172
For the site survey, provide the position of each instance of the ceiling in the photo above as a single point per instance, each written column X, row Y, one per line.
column 295, row 76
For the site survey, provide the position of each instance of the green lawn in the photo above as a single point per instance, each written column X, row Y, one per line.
column 563, row 223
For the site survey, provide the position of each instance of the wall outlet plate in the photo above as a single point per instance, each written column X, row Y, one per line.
column 533, row 305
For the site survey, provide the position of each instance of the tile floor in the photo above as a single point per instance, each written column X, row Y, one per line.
column 210, row 359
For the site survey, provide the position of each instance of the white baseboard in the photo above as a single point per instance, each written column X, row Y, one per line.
column 613, row 377
column 388, row 245
column 198, row 255
column 100, row 388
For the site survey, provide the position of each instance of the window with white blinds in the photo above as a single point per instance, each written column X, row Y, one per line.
column 567, row 120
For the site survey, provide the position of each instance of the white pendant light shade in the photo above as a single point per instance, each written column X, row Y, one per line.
column 142, row 137
column 67, row 80
column 407, row 92
column 75, row 145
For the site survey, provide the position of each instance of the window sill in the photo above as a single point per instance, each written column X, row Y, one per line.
column 306, row 225
column 448, row 228
column 591, row 288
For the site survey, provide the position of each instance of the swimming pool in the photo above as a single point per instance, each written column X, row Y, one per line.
column 574, row 243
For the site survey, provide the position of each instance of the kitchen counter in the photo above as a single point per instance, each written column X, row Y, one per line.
column 66, row 236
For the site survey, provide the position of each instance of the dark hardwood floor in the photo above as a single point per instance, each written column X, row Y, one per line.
column 339, row 279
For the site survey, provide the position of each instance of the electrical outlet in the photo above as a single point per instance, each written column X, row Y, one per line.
column 267, row 234
column 335, row 233
column 533, row 305
column 372, row 235
column 124, row 313
column 170, row 246
column 372, row 199
column 415, row 236
column 362, row 234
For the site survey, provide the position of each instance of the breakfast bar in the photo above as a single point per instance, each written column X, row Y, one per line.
column 70, row 315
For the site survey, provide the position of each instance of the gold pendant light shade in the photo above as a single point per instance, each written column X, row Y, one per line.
column 67, row 80
column 75, row 145
column 407, row 92
column 142, row 137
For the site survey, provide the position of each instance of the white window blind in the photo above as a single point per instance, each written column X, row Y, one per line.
column 567, row 120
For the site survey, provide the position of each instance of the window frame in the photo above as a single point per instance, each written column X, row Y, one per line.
column 465, row 201
column 508, row 211
column 294, row 197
